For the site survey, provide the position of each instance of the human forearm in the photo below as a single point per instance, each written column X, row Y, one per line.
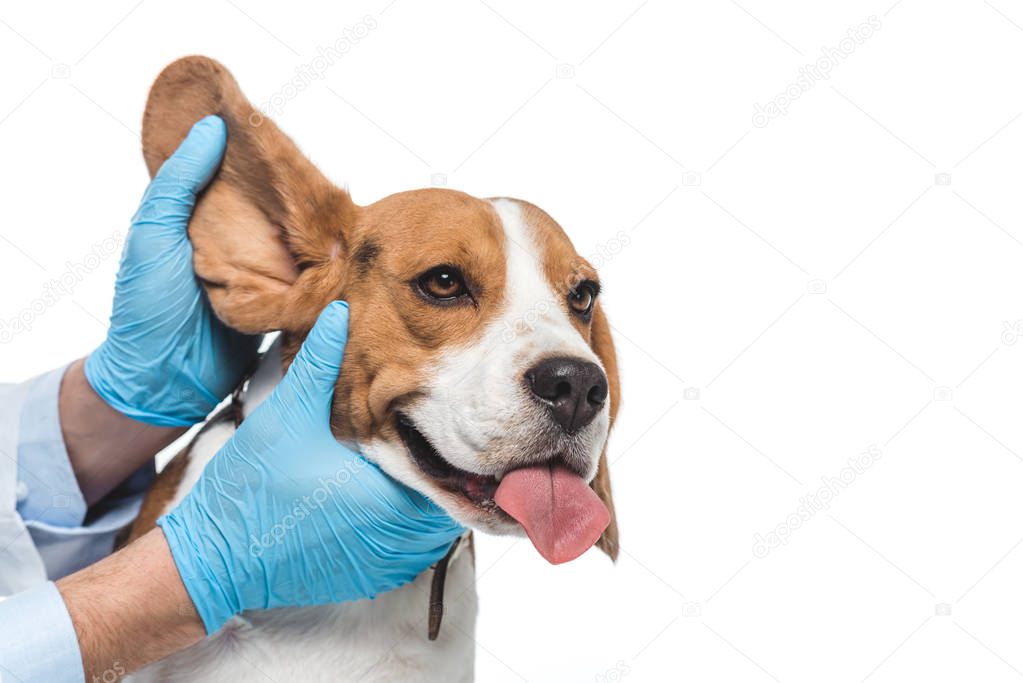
column 131, row 609
column 103, row 445
column 167, row 361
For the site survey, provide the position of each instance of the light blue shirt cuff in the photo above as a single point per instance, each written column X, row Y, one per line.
column 65, row 550
column 47, row 489
column 67, row 534
column 37, row 639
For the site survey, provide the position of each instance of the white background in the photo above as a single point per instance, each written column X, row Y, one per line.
column 791, row 296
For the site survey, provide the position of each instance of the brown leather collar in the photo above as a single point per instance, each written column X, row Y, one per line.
column 235, row 411
column 440, row 573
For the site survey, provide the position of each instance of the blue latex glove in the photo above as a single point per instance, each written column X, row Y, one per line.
column 284, row 515
column 167, row 360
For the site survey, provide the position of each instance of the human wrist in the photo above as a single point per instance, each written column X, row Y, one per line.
column 162, row 396
column 131, row 608
column 104, row 446
column 192, row 556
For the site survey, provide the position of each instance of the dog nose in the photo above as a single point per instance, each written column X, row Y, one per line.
column 574, row 389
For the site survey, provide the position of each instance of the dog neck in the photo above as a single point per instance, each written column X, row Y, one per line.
column 252, row 392
column 267, row 375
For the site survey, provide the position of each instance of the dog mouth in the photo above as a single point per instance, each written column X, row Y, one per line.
column 552, row 502
column 480, row 489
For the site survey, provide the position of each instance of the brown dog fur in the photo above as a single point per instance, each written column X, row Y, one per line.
column 274, row 241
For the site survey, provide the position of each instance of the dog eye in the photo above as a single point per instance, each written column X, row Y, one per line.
column 443, row 283
column 582, row 298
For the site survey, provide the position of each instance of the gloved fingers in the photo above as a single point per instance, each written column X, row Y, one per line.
column 197, row 157
column 153, row 247
column 427, row 520
column 403, row 505
column 432, row 555
column 311, row 378
column 171, row 196
column 300, row 405
column 420, row 506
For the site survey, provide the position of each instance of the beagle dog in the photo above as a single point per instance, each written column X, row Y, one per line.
column 479, row 370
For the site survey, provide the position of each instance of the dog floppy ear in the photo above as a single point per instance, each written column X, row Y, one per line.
column 268, row 233
column 603, row 346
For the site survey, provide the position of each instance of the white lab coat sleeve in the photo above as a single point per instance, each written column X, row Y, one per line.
column 46, row 532
column 37, row 639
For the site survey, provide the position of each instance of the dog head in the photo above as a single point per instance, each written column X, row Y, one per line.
column 479, row 368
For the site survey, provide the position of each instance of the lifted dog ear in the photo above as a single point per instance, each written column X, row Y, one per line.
column 603, row 346
column 268, row 233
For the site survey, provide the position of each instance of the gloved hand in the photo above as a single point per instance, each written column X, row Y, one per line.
column 167, row 360
column 284, row 515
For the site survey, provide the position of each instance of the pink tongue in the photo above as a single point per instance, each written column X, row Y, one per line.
column 562, row 516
